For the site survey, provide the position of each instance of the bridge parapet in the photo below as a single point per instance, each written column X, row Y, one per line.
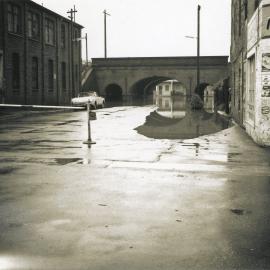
column 160, row 61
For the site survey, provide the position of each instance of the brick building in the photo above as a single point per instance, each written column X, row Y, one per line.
column 250, row 67
column 40, row 59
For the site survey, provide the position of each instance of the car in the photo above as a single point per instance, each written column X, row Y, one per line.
column 84, row 97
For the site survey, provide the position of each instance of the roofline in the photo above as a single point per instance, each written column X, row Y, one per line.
column 52, row 12
column 158, row 57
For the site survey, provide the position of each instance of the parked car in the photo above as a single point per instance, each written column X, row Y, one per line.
column 84, row 97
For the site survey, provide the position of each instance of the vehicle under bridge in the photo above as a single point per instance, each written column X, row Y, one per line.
column 136, row 77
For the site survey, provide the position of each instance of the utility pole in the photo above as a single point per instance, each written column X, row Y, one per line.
column 74, row 11
column 86, row 45
column 198, row 46
column 71, row 16
column 105, row 32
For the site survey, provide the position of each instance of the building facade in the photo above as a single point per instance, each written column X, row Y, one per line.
column 169, row 88
column 250, row 68
column 40, row 56
column 170, row 96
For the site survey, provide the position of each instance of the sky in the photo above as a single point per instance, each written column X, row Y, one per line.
column 145, row 28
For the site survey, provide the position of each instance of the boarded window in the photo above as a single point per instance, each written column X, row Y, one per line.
column 50, row 75
column 34, row 73
column 15, row 71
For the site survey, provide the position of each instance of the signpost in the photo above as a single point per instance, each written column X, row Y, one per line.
column 90, row 116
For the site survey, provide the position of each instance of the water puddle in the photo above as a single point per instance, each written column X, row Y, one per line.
column 65, row 161
column 67, row 122
column 174, row 119
column 7, row 170
column 240, row 212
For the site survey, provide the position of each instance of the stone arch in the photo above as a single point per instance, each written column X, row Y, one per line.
column 113, row 92
column 145, row 86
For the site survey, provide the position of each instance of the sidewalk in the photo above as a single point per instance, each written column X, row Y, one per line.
column 12, row 111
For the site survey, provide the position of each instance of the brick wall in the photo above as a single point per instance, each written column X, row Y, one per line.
column 241, row 13
column 27, row 48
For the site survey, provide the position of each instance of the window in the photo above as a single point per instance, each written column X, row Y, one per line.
column 76, row 37
column 246, row 8
column 239, row 87
column 14, row 19
column 234, row 22
column 50, row 75
column 76, row 73
column 49, row 32
column 15, row 71
column 167, row 87
column 1, row 71
column 251, row 87
column 167, row 104
column 34, row 73
column 63, row 36
column 239, row 17
column 64, row 77
column 234, row 87
column 33, row 25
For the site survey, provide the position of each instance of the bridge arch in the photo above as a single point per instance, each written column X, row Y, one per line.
column 113, row 92
column 145, row 86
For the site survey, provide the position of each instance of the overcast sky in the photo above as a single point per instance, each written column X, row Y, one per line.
column 151, row 27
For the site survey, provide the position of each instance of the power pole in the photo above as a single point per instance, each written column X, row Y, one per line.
column 71, row 16
column 198, row 46
column 74, row 11
column 105, row 32
column 86, row 45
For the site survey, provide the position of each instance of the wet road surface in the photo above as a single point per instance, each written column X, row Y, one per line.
column 130, row 201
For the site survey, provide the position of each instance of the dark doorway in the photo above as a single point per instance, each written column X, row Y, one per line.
column 200, row 90
column 113, row 93
column 1, row 78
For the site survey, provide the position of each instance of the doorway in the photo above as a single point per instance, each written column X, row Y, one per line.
column 1, row 77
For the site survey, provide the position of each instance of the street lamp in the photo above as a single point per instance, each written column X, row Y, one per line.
column 105, row 32
column 86, row 46
column 198, row 44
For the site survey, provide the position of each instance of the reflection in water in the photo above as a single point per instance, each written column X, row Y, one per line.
column 141, row 101
column 175, row 120
column 172, row 107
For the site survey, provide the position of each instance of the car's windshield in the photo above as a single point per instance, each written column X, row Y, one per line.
column 86, row 94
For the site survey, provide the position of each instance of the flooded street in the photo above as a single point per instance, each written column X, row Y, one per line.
column 175, row 119
column 161, row 189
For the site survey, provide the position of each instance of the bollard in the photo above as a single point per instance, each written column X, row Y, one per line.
column 89, row 141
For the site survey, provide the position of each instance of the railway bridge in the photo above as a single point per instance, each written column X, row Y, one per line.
column 128, row 78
